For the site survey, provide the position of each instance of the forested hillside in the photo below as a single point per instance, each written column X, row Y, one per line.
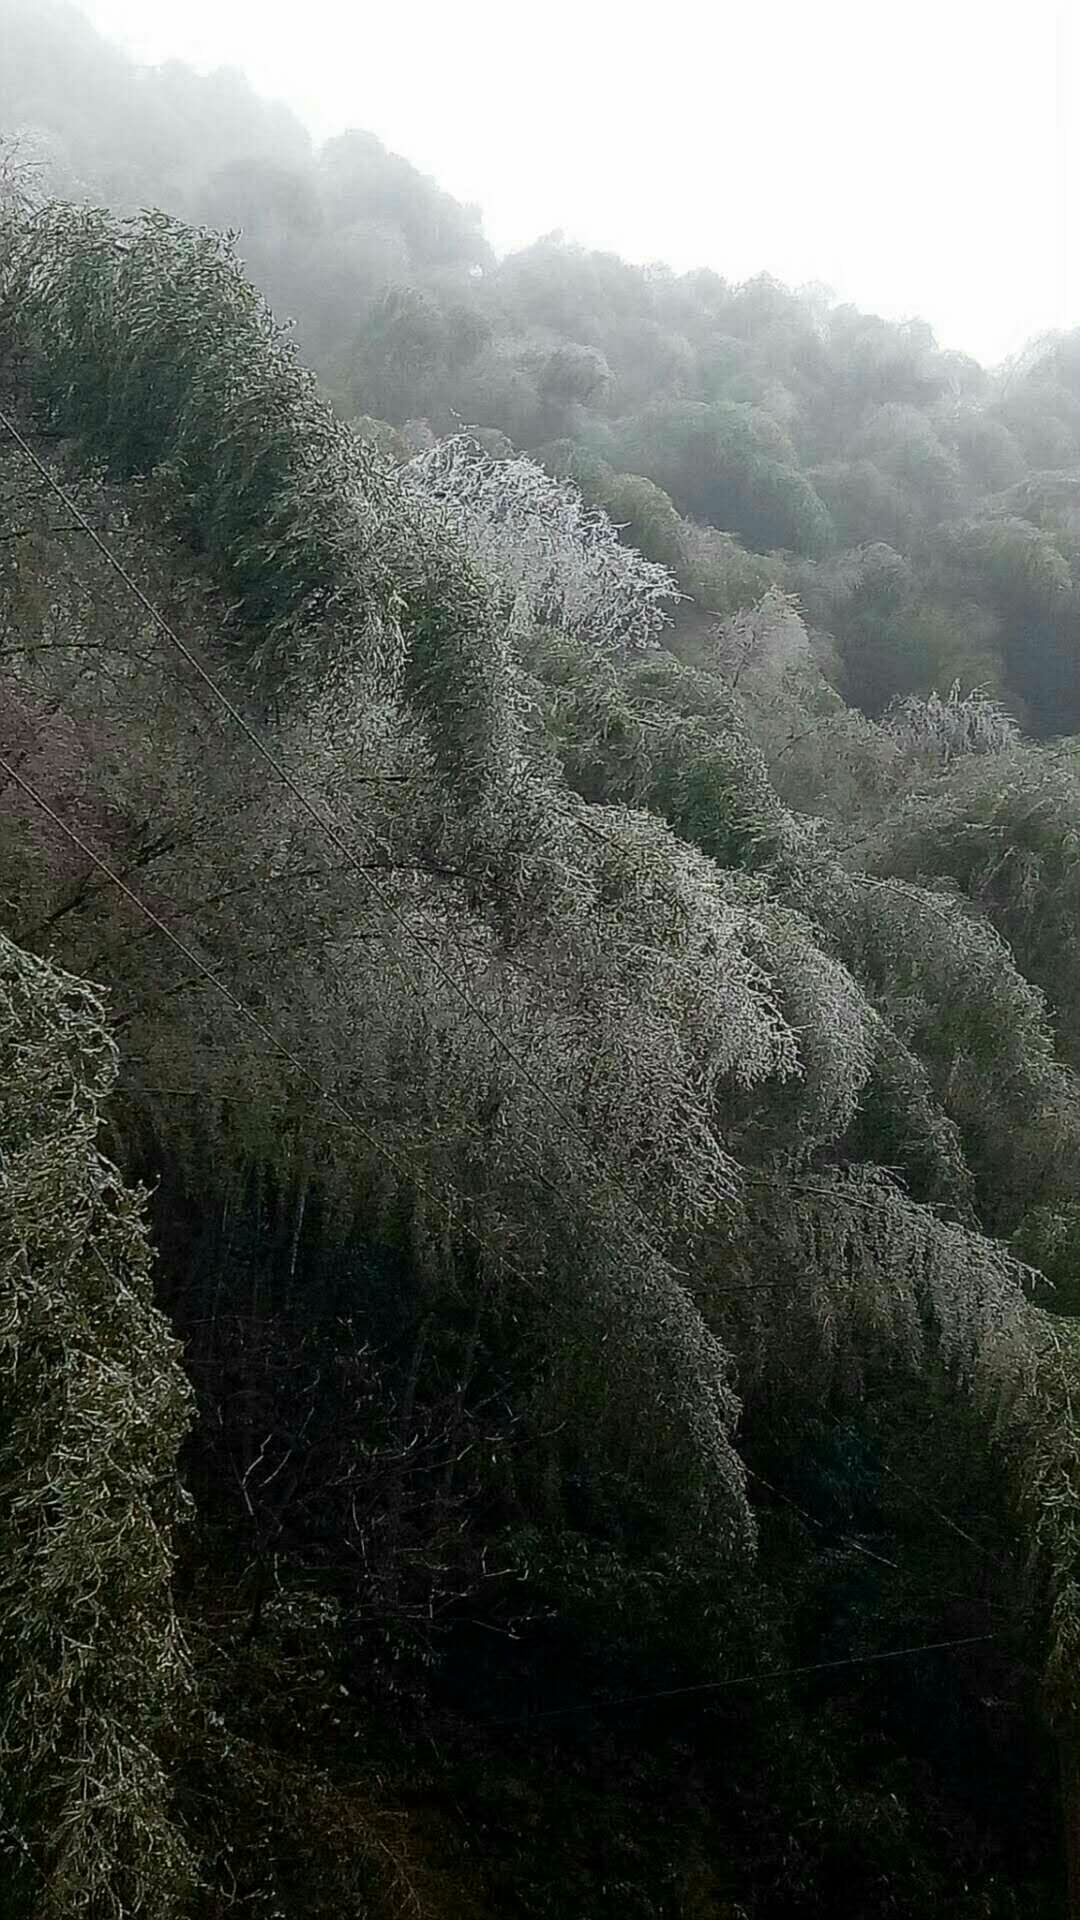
column 923, row 509
column 539, row 1022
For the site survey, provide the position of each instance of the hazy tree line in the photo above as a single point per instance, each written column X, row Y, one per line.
column 920, row 506
column 539, row 1134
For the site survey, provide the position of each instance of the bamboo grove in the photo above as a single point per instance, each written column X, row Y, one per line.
column 538, row 1046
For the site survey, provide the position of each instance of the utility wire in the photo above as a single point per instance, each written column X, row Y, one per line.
column 202, row 971
column 751, row 1680
column 321, row 817
column 938, row 1513
column 243, row 1012
column 279, row 1046
column 849, row 1539
column 328, row 825
column 944, row 1519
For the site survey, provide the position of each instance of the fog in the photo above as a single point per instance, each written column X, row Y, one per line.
column 916, row 160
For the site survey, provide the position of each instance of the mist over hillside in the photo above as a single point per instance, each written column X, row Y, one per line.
column 919, row 505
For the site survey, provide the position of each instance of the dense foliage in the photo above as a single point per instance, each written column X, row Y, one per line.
column 593, row 1020
column 94, row 1409
column 741, row 435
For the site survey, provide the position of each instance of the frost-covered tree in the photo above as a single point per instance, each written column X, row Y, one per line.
column 1002, row 829
column 636, row 1091
column 960, row 723
column 93, row 1409
column 554, row 562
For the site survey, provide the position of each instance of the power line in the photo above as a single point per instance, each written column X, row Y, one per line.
column 868, row 1553
column 266, row 1033
column 322, row 819
column 751, row 1680
column 325, row 821
column 938, row 1513
column 944, row 1519
column 328, row 825
column 202, row 970
column 205, row 972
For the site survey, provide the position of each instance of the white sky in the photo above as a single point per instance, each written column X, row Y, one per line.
column 917, row 158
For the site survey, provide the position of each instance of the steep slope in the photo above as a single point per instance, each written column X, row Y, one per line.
column 558, row 1141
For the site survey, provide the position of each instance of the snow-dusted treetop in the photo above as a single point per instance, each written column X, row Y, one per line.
column 961, row 723
column 558, row 562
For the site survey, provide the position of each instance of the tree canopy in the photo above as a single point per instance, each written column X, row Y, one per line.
column 567, row 1178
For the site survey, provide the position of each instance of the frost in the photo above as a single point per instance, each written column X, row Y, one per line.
column 556, row 562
